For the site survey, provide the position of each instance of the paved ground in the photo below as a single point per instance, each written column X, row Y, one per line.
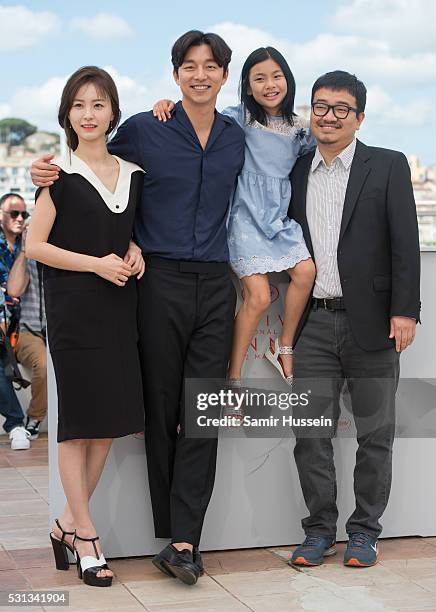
column 257, row 580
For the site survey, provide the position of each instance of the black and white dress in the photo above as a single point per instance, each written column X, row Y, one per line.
column 91, row 322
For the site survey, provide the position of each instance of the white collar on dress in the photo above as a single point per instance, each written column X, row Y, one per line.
column 116, row 202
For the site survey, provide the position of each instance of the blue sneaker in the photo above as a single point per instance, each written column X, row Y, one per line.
column 313, row 550
column 361, row 550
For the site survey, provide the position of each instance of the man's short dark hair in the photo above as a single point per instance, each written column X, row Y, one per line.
column 221, row 52
column 6, row 196
column 339, row 79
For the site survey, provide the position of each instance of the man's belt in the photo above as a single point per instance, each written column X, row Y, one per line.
column 193, row 267
column 328, row 303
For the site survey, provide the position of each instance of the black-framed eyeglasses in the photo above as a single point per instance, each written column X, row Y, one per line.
column 17, row 213
column 340, row 111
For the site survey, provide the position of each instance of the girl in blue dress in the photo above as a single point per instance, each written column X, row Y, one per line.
column 261, row 237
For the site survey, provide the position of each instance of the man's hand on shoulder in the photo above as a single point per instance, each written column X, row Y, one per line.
column 403, row 329
column 44, row 173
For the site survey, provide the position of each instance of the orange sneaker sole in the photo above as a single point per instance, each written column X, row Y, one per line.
column 356, row 563
column 303, row 561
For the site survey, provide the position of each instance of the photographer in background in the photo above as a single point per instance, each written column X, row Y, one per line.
column 25, row 282
column 12, row 217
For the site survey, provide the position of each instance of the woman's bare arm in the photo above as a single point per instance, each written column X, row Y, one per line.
column 111, row 267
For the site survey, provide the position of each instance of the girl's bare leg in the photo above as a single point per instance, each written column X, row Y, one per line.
column 302, row 279
column 257, row 299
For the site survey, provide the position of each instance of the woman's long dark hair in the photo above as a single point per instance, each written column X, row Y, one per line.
column 255, row 110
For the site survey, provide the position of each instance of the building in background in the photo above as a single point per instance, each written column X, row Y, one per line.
column 20, row 144
column 418, row 172
column 424, row 187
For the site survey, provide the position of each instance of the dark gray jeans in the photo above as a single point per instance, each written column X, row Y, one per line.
column 327, row 354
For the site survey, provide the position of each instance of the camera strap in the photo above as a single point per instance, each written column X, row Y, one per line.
column 12, row 371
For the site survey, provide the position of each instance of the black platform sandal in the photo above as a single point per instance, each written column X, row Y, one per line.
column 88, row 567
column 60, row 548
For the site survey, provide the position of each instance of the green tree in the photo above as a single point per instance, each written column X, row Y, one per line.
column 13, row 131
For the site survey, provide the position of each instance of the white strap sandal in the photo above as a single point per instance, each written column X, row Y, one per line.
column 274, row 360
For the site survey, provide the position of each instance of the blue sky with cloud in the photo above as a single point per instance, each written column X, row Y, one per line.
column 389, row 44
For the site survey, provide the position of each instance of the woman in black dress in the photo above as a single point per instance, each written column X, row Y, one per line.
column 81, row 230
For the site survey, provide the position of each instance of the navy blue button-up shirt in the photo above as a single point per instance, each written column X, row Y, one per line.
column 187, row 189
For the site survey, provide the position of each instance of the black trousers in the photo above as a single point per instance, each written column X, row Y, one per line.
column 186, row 314
column 327, row 356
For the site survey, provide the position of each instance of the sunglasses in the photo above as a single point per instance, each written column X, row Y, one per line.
column 14, row 214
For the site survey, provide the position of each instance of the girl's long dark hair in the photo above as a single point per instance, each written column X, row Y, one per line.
column 255, row 110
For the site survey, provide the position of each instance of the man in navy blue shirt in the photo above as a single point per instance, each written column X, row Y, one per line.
column 187, row 183
column 186, row 296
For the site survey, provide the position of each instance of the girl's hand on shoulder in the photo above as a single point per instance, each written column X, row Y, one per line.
column 162, row 109
column 113, row 268
column 134, row 259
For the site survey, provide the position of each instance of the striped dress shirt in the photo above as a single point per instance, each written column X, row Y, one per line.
column 326, row 189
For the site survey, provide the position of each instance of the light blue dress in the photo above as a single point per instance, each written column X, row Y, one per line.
column 261, row 237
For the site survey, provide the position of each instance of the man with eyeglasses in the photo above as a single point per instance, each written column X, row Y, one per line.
column 13, row 215
column 356, row 207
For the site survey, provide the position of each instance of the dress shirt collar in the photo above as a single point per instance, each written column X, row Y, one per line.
column 220, row 123
column 345, row 156
column 182, row 116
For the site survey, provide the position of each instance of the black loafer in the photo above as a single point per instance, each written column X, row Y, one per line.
column 178, row 564
column 198, row 560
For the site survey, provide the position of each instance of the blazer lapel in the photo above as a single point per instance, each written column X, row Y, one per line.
column 358, row 172
column 303, row 199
